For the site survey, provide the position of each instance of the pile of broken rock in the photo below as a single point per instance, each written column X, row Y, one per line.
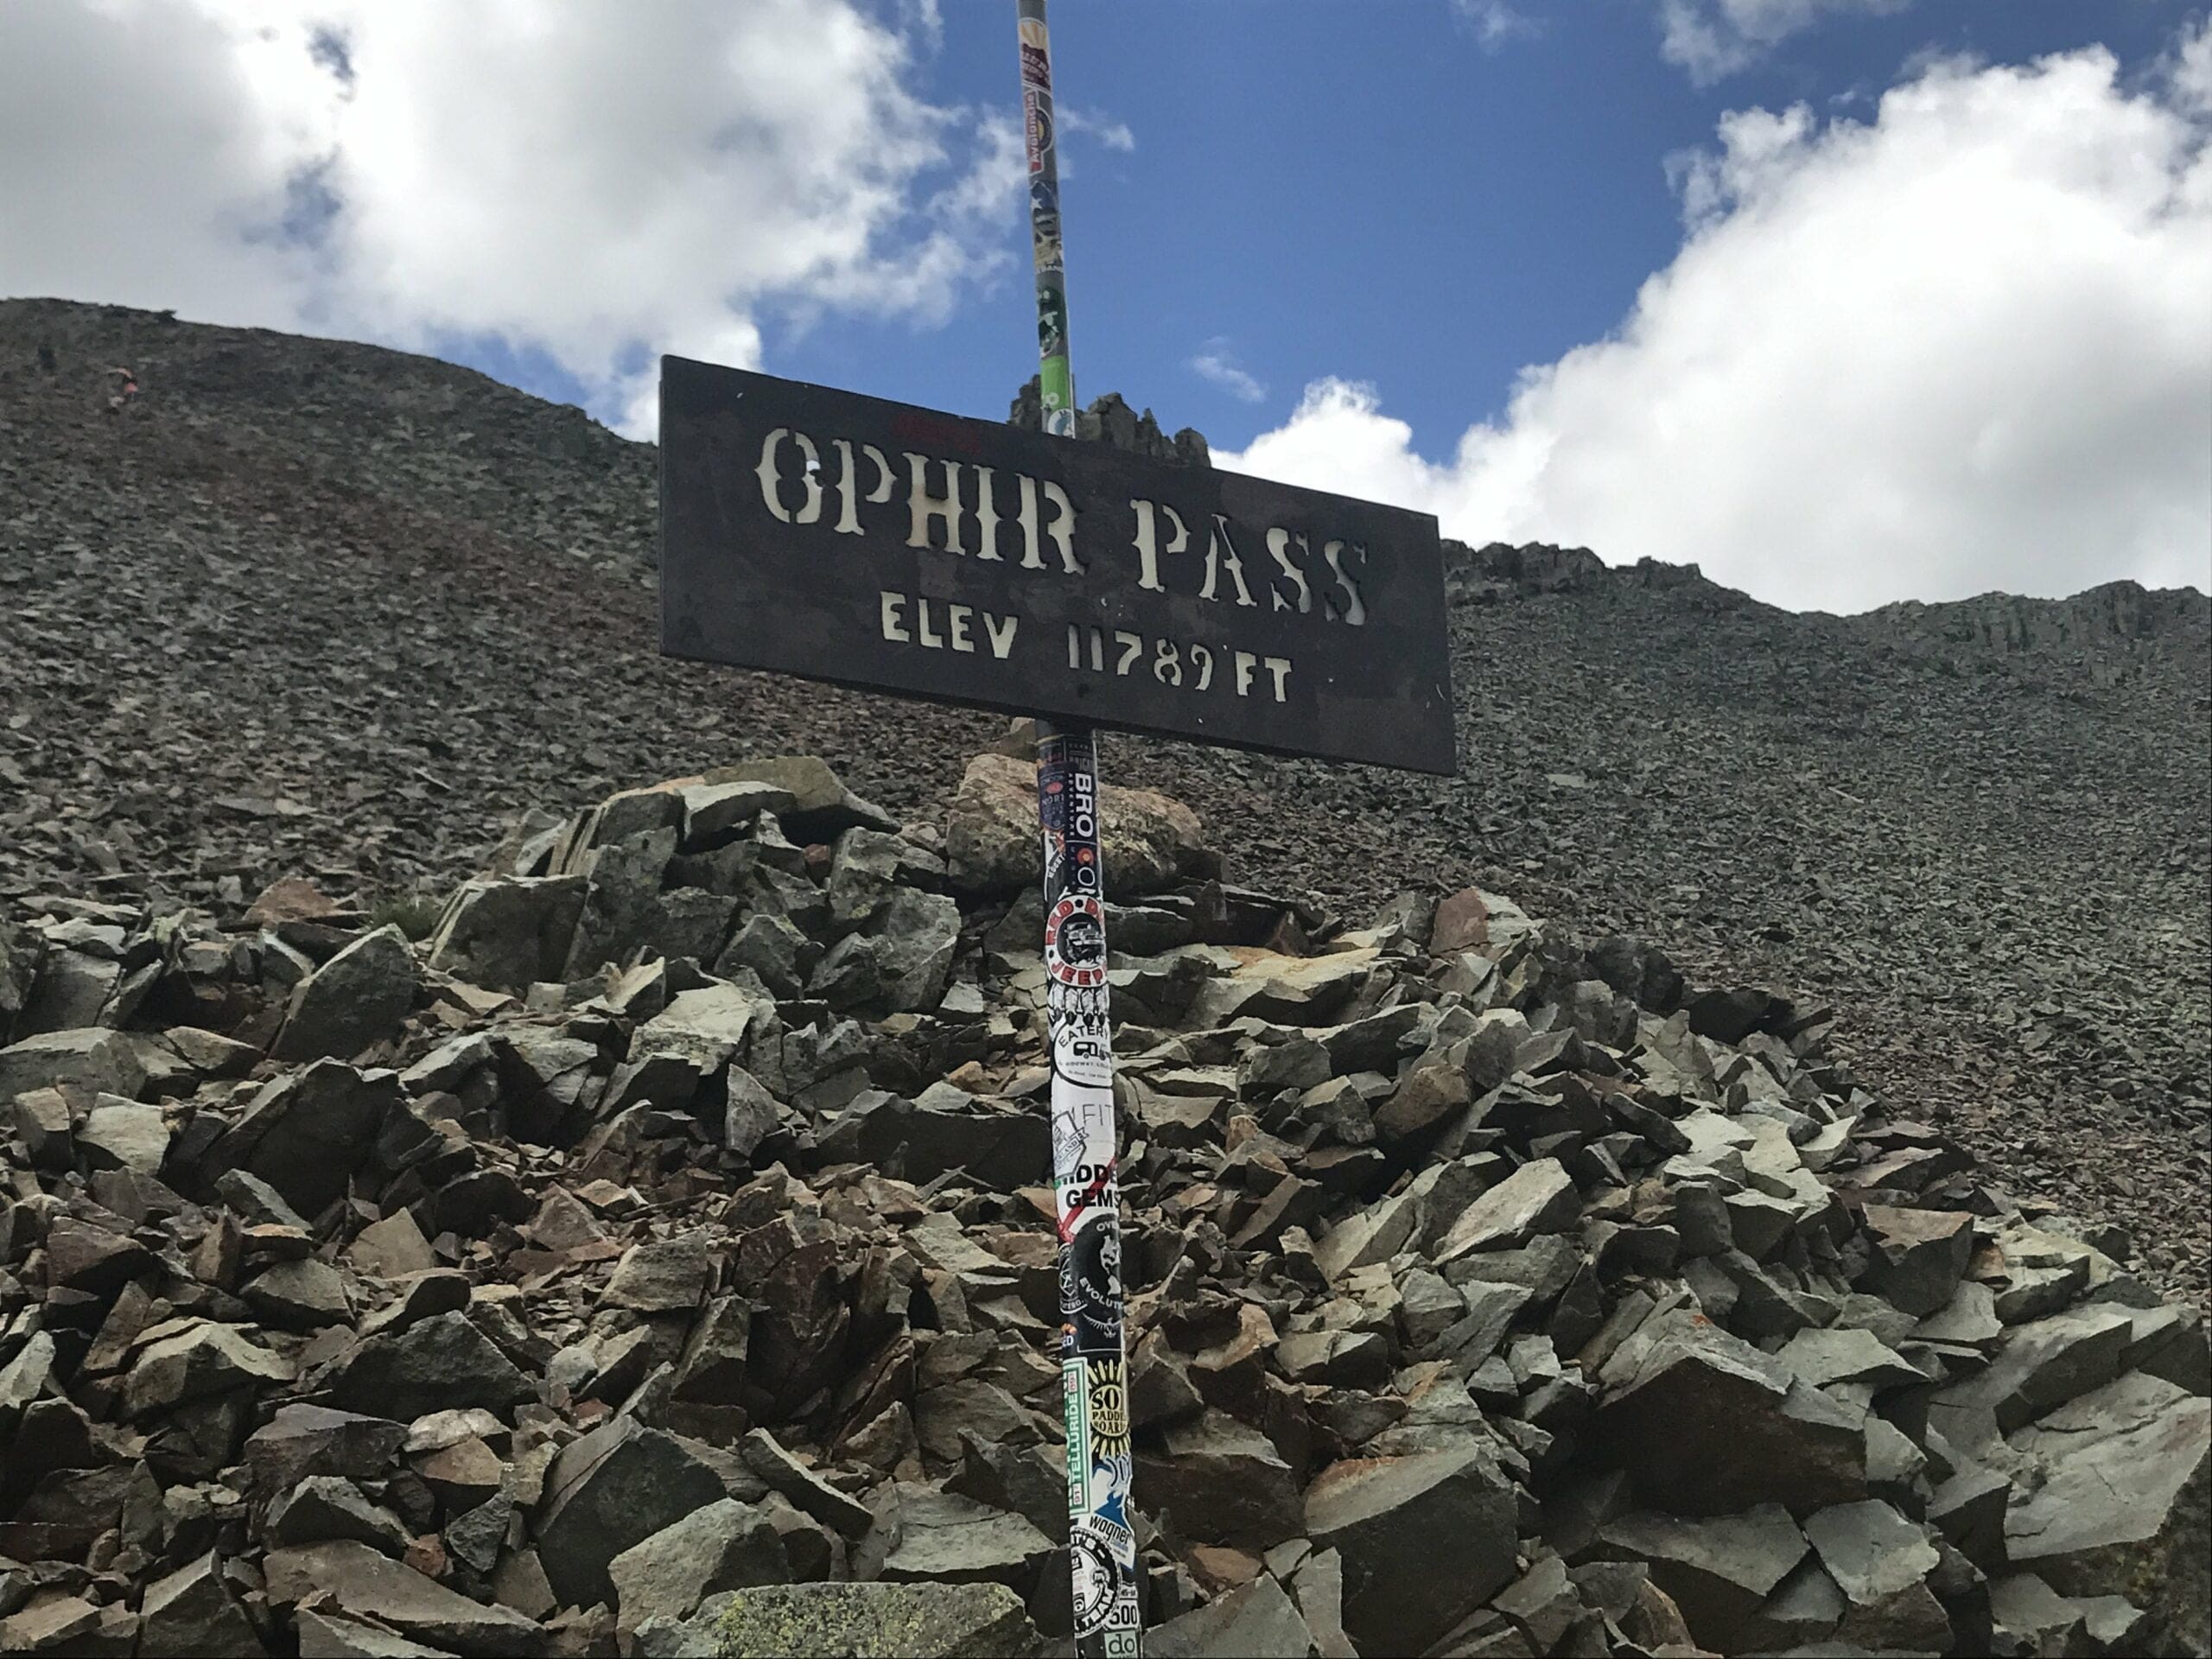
column 657, row 1260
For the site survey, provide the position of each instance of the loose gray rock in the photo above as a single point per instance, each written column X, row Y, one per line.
column 325, row 1507
column 808, row 1491
column 192, row 1613
column 1919, row 1255
column 1256, row 1621
column 326, row 1635
column 94, row 1059
column 507, row 935
column 441, row 1363
column 359, row 997
column 2042, row 1364
column 302, row 1295
column 1707, row 1424
column 305, row 1132
column 22, row 950
column 830, row 1621
column 2123, row 1504
column 1870, row 1550
column 118, row 1133
column 614, row 1488
column 1717, row 1570
column 198, row 1361
column 1538, row 1197
column 666, row 1276
column 944, row 1538
column 1221, row 1481
column 725, row 1546
column 901, row 960
column 378, row 1588
column 821, row 806
column 991, row 832
column 303, row 1441
column 1425, row 1540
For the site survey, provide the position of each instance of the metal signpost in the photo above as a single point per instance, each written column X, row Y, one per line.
column 1094, row 1360
column 875, row 544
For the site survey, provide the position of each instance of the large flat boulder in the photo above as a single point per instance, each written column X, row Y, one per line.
column 821, row 807
column 92, row 1058
column 1717, row 1569
column 376, row 1587
column 506, row 935
column 359, row 997
column 1708, row 1425
column 1221, row 1481
column 306, row 1133
column 830, row 1621
column 2043, row 1363
column 1537, row 1198
column 1255, row 1621
column 991, row 837
column 2122, row 1509
column 441, row 1363
column 1425, row 1540
column 726, row 1546
column 612, row 1489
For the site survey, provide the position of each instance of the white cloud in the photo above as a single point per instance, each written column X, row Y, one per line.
column 1497, row 23
column 1963, row 346
column 1091, row 124
column 1215, row 364
column 553, row 175
column 1713, row 39
column 2188, row 71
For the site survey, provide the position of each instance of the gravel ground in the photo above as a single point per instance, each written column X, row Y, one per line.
column 314, row 607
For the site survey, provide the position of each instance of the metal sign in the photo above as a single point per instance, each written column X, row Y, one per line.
column 870, row 543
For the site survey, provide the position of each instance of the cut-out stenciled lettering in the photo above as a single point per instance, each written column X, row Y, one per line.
column 939, row 624
column 1179, row 665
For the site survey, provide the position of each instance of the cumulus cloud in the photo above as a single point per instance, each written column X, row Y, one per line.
column 553, row 176
column 1714, row 39
column 1963, row 345
column 1496, row 23
column 1089, row 123
column 1216, row 366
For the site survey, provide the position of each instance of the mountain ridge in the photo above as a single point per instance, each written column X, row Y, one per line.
column 567, row 434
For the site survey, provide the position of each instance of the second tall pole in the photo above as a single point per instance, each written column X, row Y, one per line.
column 1094, row 1370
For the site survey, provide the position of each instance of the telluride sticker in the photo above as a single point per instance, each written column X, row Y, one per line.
column 873, row 545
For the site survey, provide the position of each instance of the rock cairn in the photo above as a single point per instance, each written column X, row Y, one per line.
column 657, row 1260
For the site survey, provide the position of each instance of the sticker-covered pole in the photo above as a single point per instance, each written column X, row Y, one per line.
column 1102, row 1547
column 1094, row 1371
column 1056, row 384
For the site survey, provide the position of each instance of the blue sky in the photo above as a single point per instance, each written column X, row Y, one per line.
column 1334, row 187
column 1847, row 301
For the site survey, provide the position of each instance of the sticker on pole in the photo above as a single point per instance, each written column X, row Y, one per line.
column 1075, row 941
column 1098, row 1547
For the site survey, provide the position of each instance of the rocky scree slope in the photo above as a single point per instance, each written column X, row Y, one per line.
column 657, row 1260
column 327, row 609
